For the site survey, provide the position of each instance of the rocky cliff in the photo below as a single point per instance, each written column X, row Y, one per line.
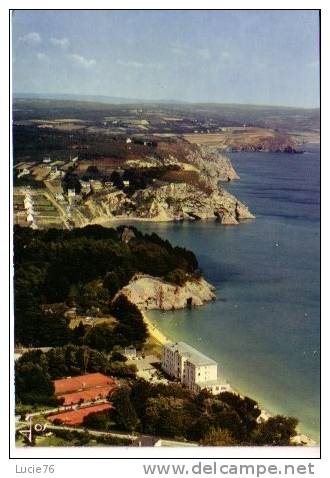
column 213, row 165
column 166, row 202
column 188, row 189
column 149, row 292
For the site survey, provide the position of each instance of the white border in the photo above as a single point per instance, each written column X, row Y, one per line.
column 124, row 453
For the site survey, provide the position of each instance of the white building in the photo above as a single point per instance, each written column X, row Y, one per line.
column 23, row 172
column 96, row 185
column 194, row 369
column 59, row 197
column 130, row 352
column 85, row 187
column 54, row 174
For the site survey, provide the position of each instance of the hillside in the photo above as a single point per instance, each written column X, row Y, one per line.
column 84, row 270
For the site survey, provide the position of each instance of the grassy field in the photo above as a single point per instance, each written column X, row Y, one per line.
column 231, row 136
column 244, row 139
column 108, row 320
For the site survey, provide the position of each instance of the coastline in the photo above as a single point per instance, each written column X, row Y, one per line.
column 155, row 333
column 300, row 439
column 105, row 221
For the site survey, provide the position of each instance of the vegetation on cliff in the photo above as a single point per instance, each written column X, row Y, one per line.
column 83, row 269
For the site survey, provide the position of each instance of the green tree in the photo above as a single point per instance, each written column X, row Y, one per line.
column 100, row 337
column 177, row 276
column 218, row 437
column 112, row 283
column 131, row 325
column 117, row 180
column 94, row 296
column 118, row 357
column 121, row 369
column 199, row 427
column 98, row 420
column 276, row 431
column 124, row 413
column 246, row 408
column 33, row 384
column 167, row 416
column 78, row 333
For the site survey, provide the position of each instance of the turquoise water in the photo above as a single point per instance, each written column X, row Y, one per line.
column 264, row 327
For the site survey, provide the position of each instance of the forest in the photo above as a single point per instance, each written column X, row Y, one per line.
column 84, row 269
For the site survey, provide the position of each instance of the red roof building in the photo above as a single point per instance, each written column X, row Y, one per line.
column 83, row 388
column 76, row 417
column 81, row 382
column 86, row 396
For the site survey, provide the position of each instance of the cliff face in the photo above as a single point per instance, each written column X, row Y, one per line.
column 154, row 293
column 188, row 190
column 212, row 165
column 167, row 202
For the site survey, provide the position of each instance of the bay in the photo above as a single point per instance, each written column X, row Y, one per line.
column 264, row 327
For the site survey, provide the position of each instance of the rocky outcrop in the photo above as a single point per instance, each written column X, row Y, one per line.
column 190, row 191
column 265, row 148
column 149, row 292
column 166, row 202
column 127, row 235
column 213, row 165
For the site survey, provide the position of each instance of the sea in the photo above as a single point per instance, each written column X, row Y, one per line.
column 264, row 327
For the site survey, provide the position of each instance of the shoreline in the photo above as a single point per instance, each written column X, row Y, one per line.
column 111, row 221
column 157, row 335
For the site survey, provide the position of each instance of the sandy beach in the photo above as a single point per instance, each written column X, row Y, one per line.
column 153, row 331
column 107, row 221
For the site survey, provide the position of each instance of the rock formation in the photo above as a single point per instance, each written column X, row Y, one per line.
column 190, row 191
column 166, row 202
column 149, row 292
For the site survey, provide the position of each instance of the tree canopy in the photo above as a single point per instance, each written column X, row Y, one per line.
column 85, row 268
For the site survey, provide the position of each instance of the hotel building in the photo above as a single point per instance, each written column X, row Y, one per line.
column 194, row 370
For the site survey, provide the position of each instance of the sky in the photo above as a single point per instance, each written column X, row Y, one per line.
column 248, row 57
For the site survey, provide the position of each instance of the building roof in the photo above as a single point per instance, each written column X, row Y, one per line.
column 81, row 383
column 94, row 393
column 191, row 354
column 76, row 417
column 170, row 443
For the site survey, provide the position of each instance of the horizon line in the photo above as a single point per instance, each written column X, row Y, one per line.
column 131, row 100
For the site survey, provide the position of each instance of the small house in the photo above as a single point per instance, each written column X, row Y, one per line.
column 130, row 352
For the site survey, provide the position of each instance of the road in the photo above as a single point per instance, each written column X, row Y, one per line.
column 64, row 408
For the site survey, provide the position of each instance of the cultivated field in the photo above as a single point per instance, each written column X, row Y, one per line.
column 243, row 139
